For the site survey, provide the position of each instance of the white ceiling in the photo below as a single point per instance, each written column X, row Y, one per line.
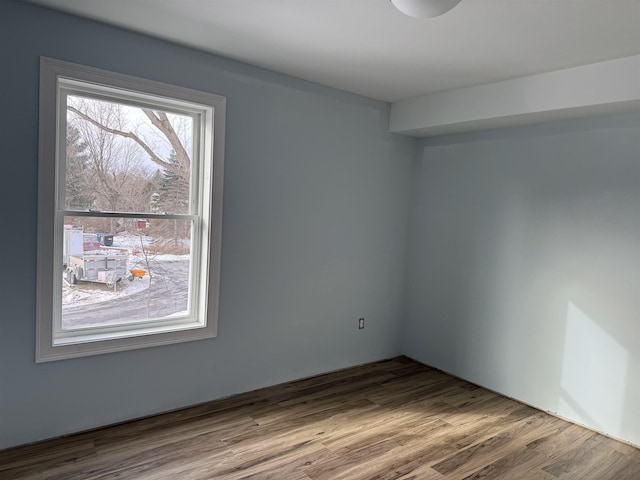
column 369, row 48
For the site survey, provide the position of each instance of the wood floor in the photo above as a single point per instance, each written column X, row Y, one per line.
column 387, row 420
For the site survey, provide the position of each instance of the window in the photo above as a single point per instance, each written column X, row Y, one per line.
column 129, row 212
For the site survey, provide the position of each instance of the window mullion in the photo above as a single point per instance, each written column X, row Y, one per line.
column 101, row 214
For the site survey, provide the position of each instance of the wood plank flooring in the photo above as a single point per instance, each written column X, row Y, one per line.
column 395, row 419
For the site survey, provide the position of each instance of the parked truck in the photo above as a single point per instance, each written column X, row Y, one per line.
column 95, row 263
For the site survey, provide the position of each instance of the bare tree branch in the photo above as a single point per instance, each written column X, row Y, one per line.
column 154, row 157
column 162, row 123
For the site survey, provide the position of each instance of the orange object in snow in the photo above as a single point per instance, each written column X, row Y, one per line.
column 138, row 272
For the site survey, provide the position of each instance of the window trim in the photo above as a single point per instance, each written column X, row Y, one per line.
column 49, row 348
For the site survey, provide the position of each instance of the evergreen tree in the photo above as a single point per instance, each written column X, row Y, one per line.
column 78, row 192
column 173, row 189
column 172, row 197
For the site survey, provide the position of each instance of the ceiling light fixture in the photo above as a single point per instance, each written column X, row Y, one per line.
column 424, row 8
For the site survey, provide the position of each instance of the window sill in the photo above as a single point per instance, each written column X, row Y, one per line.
column 94, row 344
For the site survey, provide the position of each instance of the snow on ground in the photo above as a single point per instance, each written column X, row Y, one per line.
column 90, row 292
column 131, row 241
column 84, row 293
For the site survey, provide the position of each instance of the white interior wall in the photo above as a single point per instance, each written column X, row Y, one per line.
column 524, row 266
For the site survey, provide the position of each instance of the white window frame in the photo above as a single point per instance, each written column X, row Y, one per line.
column 52, row 343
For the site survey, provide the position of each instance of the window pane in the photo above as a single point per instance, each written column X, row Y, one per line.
column 121, row 158
column 139, row 273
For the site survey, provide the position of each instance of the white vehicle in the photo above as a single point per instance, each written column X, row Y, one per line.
column 72, row 243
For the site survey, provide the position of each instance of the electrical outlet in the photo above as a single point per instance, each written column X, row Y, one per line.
column 360, row 323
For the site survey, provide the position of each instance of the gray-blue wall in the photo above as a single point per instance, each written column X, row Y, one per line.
column 524, row 266
column 315, row 219
column 523, row 257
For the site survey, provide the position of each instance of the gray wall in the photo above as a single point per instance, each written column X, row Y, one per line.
column 524, row 266
column 315, row 215
column 523, row 254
